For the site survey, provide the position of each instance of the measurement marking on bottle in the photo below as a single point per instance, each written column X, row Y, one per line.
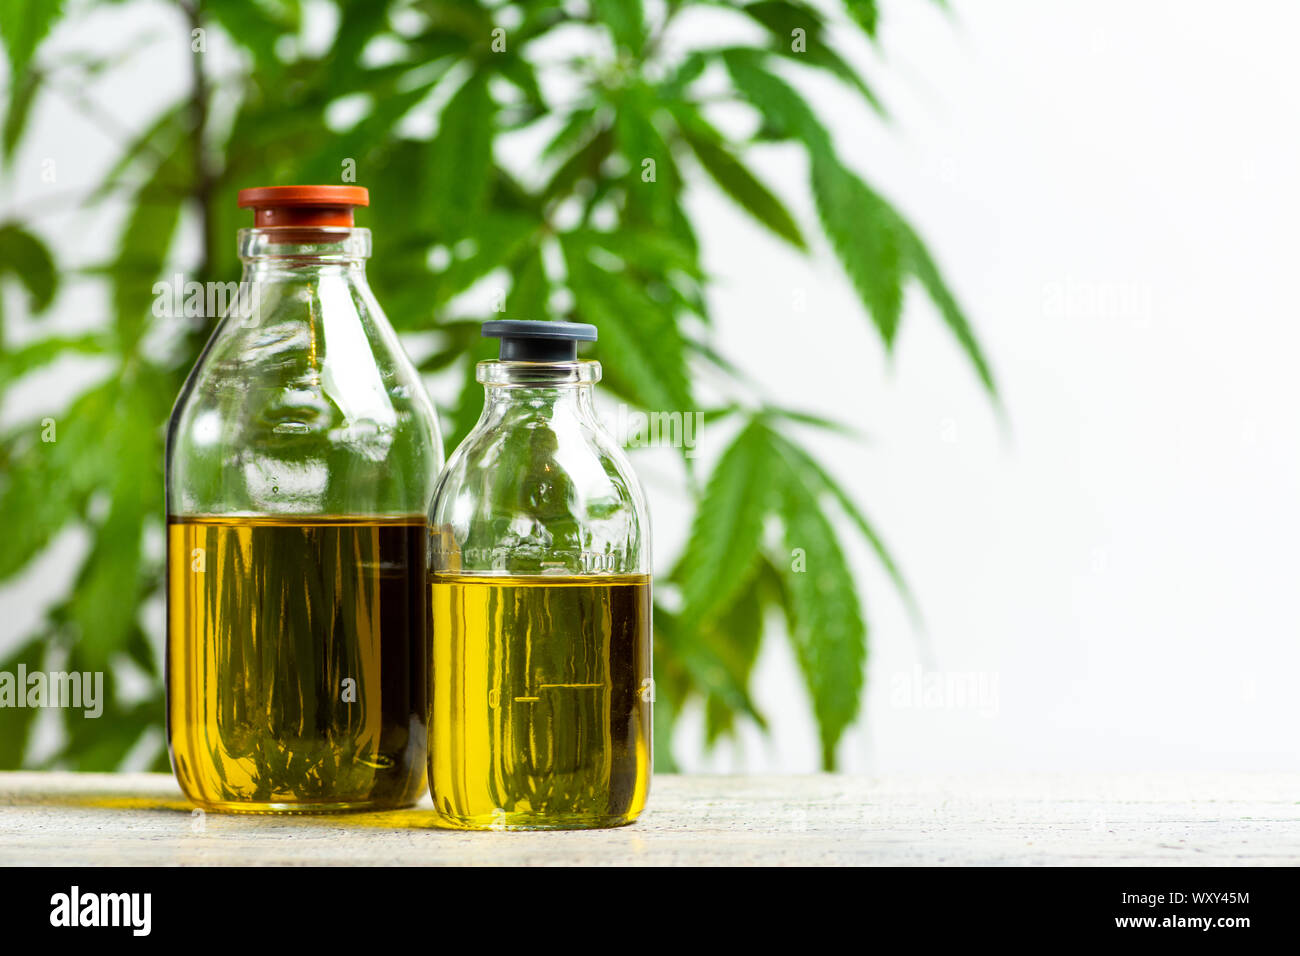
column 542, row 687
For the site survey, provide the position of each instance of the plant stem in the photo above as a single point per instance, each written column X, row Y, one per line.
column 204, row 180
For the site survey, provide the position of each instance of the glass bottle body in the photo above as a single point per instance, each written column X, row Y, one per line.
column 541, row 614
column 301, row 455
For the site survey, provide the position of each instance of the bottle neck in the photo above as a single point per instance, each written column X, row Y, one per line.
column 293, row 253
column 539, row 389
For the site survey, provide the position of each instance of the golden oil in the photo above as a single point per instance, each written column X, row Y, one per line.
column 297, row 661
column 541, row 700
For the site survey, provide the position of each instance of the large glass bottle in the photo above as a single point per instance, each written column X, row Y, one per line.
column 301, row 457
column 541, row 615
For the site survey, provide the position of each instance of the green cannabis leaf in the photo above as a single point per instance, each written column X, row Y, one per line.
column 728, row 526
column 25, row 259
column 23, row 25
column 825, row 619
column 460, row 163
column 737, row 181
column 764, row 478
column 432, row 103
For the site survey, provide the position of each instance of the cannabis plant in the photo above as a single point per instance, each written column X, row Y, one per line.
column 427, row 101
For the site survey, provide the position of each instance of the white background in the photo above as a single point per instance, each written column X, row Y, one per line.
column 1112, row 190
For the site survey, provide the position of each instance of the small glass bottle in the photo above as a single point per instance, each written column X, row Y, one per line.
column 541, row 614
column 301, row 457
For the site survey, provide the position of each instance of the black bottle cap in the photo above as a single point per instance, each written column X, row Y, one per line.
column 527, row 341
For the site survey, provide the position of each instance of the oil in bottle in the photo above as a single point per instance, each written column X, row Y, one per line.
column 541, row 700
column 298, row 658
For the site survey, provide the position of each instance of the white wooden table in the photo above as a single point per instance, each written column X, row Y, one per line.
column 1209, row 819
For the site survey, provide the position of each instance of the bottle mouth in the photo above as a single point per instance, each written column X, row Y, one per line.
column 499, row 373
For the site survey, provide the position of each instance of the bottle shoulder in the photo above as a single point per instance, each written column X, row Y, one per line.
column 291, row 403
column 578, row 460
column 539, row 493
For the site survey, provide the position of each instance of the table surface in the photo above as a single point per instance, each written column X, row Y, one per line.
column 1134, row 820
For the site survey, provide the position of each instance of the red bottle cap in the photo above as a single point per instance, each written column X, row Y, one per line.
column 311, row 206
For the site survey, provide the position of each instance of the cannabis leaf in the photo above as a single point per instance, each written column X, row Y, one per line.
column 23, row 25
column 877, row 247
column 737, row 181
column 25, row 259
column 727, row 533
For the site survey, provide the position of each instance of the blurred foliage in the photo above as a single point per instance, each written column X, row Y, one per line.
column 594, row 229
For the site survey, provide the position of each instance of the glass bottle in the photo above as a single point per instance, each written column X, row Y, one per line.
column 301, row 457
column 541, row 616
